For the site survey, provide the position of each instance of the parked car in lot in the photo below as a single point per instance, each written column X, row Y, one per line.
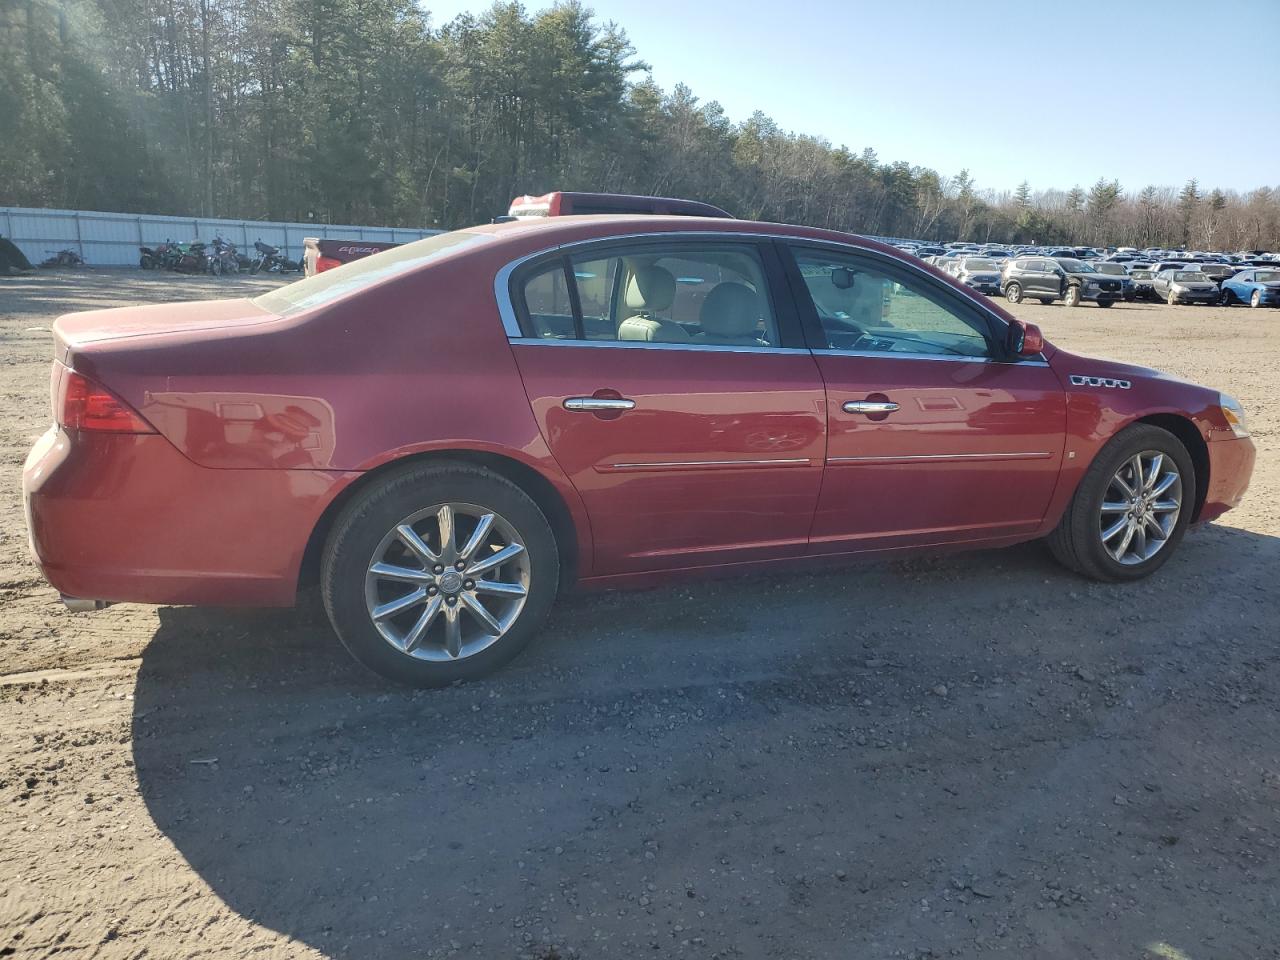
column 1063, row 278
column 1143, row 284
column 447, row 434
column 980, row 273
column 1217, row 272
column 1184, row 286
column 1256, row 286
column 1128, row 291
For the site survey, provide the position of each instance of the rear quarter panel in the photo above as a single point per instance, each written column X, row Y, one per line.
column 416, row 364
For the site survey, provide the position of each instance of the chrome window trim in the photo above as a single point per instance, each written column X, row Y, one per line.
column 1038, row 361
column 654, row 345
column 506, row 309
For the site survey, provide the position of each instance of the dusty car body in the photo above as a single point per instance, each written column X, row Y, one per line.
column 447, row 434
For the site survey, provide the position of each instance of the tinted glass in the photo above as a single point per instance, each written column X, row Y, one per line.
column 863, row 309
column 546, row 298
column 695, row 294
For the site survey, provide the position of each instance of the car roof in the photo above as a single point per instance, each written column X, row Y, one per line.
column 550, row 231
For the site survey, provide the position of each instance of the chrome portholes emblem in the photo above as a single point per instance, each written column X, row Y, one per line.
column 1081, row 381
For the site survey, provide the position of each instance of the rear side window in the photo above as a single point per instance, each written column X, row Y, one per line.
column 547, row 304
column 699, row 294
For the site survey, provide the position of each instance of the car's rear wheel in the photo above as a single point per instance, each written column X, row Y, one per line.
column 442, row 572
column 1256, row 299
column 1013, row 293
column 1072, row 298
column 1131, row 509
column 1172, row 299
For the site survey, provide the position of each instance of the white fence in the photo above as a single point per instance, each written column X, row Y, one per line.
column 112, row 239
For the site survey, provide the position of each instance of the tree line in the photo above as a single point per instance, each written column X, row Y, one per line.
column 365, row 111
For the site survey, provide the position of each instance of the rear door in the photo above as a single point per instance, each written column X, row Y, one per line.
column 934, row 436
column 677, row 395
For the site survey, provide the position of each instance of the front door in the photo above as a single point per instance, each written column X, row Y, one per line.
column 934, row 435
column 683, row 408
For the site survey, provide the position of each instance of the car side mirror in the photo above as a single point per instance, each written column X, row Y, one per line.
column 1025, row 339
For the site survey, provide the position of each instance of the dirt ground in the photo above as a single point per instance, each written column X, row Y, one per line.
column 964, row 757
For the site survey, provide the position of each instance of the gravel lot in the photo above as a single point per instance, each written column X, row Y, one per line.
column 972, row 756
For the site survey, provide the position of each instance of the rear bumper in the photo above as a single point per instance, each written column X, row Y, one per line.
column 122, row 517
column 1230, row 468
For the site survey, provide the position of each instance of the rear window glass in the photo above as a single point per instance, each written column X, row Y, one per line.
column 351, row 277
column 686, row 293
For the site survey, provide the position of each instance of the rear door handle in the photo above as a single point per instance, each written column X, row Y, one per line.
column 870, row 406
column 590, row 404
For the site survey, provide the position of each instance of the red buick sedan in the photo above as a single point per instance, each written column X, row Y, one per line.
column 449, row 433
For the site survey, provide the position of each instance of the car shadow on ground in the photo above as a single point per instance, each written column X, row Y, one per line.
column 772, row 766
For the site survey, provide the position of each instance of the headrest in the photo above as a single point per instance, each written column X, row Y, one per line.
column 638, row 328
column 730, row 310
column 651, row 289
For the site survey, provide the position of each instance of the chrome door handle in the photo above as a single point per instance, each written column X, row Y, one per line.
column 870, row 406
column 597, row 403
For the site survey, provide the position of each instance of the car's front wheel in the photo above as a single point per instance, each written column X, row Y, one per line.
column 1072, row 298
column 1131, row 509
column 1105, row 303
column 1172, row 299
column 1256, row 299
column 441, row 572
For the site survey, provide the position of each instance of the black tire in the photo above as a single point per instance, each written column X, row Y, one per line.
column 1076, row 543
column 1255, row 299
column 257, row 265
column 1227, row 299
column 373, row 513
column 1013, row 292
column 146, row 263
column 1047, row 301
column 1072, row 297
column 1105, row 303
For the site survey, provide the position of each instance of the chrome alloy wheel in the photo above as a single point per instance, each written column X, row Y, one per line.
column 1140, row 507
column 447, row 582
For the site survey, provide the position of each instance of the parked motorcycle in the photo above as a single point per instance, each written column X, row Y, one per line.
column 191, row 257
column 63, row 258
column 270, row 259
column 222, row 257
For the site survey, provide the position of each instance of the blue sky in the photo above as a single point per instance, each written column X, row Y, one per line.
column 1055, row 93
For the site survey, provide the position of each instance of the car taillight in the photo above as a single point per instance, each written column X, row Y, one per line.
column 326, row 263
column 83, row 405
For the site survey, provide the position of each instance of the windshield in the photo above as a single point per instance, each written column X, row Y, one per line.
column 359, row 274
column 1112, row 268
column 1267, row 276
column 1075, row 266
column 1189, row 275
column 1141, row 274
column 980, row 263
